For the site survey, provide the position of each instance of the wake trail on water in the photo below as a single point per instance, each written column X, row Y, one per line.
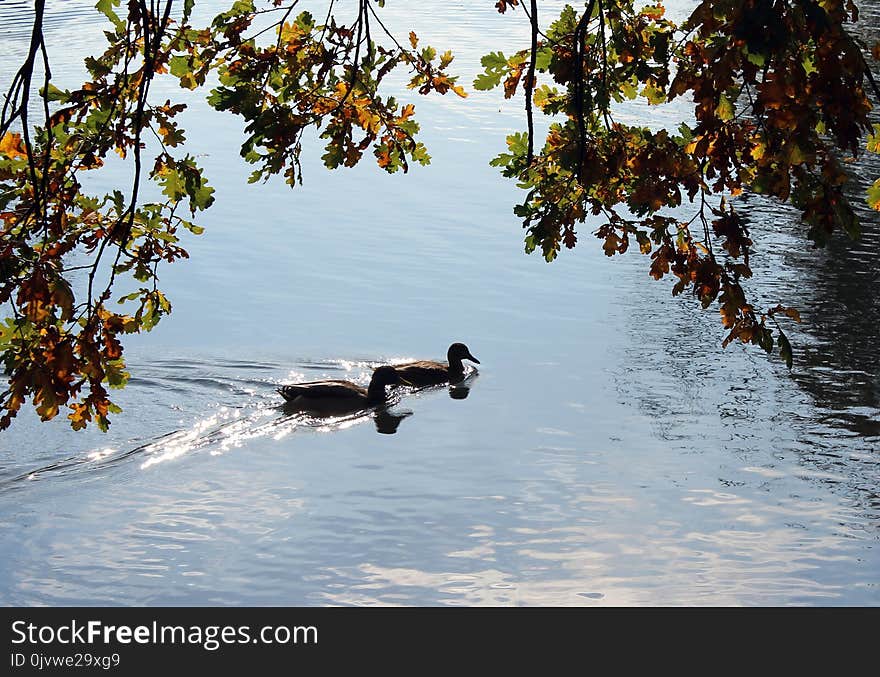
column 249, row 408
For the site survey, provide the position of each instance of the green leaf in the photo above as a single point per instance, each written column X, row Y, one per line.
column 334, row 156
column 756, row 59
column 148, row 315
column 10, row 328
column 543, row 95
column 543, row 58
column 874, row 139
column 188, row 81
column 105, row 7
column 164, row 303
column 494, row 61
column 486, row 81
column 687, row 134
column 518, row 143
column 305, row 22
column 724, row 110
column 874, row 195
column 201, row 195
column 420, row 154
column 115, row 374
column 765, row 339
column 193, row 228
column 564, row 25
column 655, row 95
column 809, row 64
column 795, row 154
column 55, row 94
column 96, row 68
column 179, row 66
column 172, row 184
column 118, row 201
column 847, row 218
column 165, row 236
column 785, row 349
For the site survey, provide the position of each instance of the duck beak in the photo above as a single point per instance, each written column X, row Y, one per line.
column 472, row 358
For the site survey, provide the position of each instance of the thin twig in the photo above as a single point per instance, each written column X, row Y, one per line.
column 579, row 37
column 530, row 82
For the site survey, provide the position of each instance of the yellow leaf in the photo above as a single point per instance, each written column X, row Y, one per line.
column 368, row 120
column 758, row 151
column 874, row 195
column 653, row 11
column 874, row 140
column 324, row 105
column 11, row 146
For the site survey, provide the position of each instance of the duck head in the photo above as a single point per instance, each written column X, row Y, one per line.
column 383, row 376
column 458, row 352
column 387, row 376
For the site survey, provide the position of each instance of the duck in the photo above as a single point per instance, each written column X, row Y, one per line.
column 429, row 373
column 339, row 397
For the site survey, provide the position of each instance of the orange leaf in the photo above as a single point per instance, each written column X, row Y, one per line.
column 406, row 113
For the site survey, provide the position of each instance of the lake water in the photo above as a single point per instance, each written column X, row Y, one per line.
column 608, row 452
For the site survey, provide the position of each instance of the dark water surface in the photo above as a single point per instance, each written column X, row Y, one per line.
column 608, row 452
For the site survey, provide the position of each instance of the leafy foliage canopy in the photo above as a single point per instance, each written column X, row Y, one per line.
column 781, row 93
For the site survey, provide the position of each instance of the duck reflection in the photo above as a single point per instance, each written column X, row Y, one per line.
column 387, row 421
column 461, row 389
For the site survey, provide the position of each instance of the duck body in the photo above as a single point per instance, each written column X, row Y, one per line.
column 425, row 372
column 338, row 397
column 430, row 373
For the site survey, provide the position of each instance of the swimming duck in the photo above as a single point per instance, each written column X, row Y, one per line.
column 337, row 397
column 428, row 373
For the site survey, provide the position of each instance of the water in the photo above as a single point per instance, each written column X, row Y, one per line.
column 609, row 451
